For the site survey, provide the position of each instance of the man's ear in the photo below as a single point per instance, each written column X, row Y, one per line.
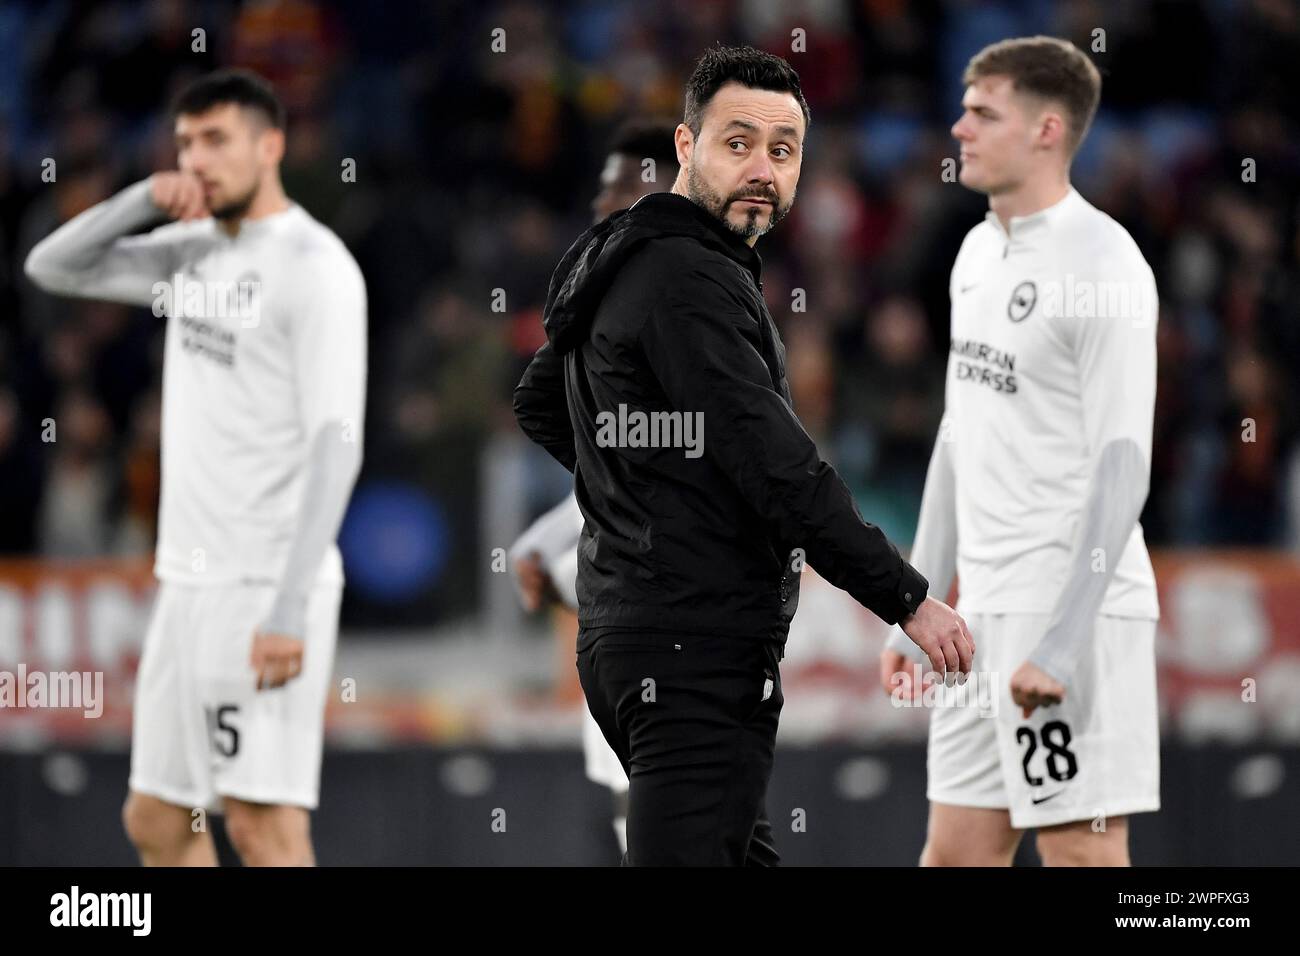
column 685, row 142
column 271, row 145
column 1051, row 130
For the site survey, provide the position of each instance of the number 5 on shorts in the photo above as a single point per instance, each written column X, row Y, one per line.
column 224, row 736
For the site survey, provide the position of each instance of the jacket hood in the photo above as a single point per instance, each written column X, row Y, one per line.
column 589, row 267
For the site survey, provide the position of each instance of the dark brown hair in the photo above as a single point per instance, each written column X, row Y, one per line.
column 744, row 65
column 1047, row 67
column 242, row 87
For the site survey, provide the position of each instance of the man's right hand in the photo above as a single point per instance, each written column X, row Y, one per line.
column 941, row 633
column 896, row 670
column 178, row 195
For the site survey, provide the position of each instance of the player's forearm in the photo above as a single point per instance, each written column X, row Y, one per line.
column 934, row 550
column 71, row 260
column 552, row 534
column 1114, row 503
column 333, row 463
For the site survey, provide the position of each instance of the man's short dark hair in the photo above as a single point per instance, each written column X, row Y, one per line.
column 242, row 87
column 1047, row 67
column 738, row 64
column 646, row 139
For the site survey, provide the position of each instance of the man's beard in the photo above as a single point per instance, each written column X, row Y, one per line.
column 236, row 208
column 702, row 194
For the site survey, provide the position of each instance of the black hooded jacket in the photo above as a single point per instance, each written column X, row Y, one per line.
column 659, row 309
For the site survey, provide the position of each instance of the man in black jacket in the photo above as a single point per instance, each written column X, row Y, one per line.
column 662, row 387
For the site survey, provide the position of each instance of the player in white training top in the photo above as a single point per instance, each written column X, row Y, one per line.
column 1038, row 477
column 263, row 400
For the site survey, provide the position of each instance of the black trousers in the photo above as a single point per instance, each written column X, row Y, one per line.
column 693, row 719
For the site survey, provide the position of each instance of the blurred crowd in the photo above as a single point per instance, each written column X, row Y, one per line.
column 476, row 166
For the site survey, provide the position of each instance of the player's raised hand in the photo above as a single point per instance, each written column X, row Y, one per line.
column 276, row 659
column 1033, row 687
column 940, row 631
column 179, row 195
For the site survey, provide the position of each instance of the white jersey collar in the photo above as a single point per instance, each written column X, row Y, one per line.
column 1020, row 227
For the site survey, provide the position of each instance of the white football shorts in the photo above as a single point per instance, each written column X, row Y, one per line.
column 201, row 730
column 1093, row 756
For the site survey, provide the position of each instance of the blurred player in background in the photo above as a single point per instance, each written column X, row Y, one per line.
column 263, row 399
column 1035, row 486
column 545, row 558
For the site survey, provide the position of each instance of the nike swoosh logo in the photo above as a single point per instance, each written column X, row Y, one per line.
column 966, row 288
column 1038, row 800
